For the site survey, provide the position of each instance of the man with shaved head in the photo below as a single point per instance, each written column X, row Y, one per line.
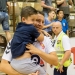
column 62, row 46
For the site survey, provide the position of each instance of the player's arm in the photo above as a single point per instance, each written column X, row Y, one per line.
column 40, row 37
column 70, row 2
column 47, row 26
column 59, row 2
column 50, row 57
column 37, row 34
column 8, row 4
column 46, row 6
column 67, row 49
column 6, row 68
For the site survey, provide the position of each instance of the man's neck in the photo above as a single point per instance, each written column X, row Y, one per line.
column 58, row 34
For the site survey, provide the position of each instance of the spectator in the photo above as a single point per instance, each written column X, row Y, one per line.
column 4, row 19
column 63, row 5
column 63, row 49
column 47, row 5
column 60, row 17
column 48, row 21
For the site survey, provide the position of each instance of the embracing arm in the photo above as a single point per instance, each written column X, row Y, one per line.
column 40, row 38
column 6, row 68
column 50, row 58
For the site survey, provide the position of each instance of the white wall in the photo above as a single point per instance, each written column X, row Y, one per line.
column 71, row 70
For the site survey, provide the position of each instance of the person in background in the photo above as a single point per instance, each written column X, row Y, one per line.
column 64, row 5
column 4, row 18
column 47, row 5
column 48, row 21
column 43, row 49
column 61, row 44
column 60, row 17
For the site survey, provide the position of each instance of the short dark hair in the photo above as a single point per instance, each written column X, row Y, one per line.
column 49, row 11
column 59, row 11
column 28, row 11
column 40, row 12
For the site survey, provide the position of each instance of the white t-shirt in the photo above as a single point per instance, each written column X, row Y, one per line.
column 45, row 46
column 65, row 42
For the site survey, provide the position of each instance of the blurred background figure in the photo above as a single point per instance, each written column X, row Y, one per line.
column 48, row 21
column 4, row 19
column 47, row 4
column 64, row 23
column 64, row 5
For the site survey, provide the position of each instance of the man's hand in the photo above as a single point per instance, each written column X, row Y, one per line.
column 60, row 67
column 32, row 49
column 52, row 8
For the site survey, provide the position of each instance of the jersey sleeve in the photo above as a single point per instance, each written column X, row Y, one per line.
column 66, row 43
column 7, row 53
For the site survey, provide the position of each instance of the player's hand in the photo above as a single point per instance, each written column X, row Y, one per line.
column 32, row 49
column 60, row 68
column 47, row 34
column 52, row 8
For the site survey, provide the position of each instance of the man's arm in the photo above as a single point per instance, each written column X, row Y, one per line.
column 67, row 53
column 66, row 56
column 47, row 26
column 8, row 4
column 46, row 6
column 6, row 68
column 70, row 2
column 59, row 2
column 50, row 58
column 67, row 48
column 40, row 38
